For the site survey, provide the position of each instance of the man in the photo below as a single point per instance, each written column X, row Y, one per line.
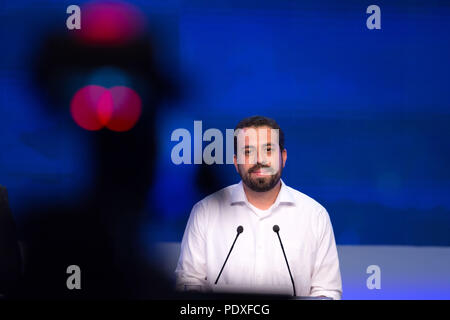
column 10, row 260
column 258, row 203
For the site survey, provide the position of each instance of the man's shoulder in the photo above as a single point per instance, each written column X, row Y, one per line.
column 217, row 198
column 307, row 202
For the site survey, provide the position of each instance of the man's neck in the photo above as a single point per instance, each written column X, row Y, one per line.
column 262, row 200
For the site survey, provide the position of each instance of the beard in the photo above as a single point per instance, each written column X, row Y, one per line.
column 259, row 184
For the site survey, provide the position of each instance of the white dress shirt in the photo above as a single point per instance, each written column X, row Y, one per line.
column 256, row 263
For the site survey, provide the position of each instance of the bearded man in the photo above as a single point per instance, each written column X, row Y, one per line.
column 286, row 242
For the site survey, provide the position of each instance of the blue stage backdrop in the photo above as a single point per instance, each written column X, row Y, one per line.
column 366, row 113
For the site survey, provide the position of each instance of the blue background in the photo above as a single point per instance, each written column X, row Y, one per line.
column 366, row 113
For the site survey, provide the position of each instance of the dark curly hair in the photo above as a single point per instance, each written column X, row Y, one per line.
column 259, row 121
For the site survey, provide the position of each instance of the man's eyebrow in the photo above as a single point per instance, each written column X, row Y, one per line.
column 248, row 147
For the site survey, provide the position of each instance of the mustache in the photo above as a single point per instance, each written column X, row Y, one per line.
column 259, row 166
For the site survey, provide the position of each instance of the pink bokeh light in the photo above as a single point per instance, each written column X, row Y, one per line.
column 94, row 107
column 110, row 23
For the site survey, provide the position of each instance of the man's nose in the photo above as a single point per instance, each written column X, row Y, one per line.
column 262, row 158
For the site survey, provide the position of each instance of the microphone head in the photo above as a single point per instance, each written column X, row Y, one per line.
column 240, row 229
column 276, row 228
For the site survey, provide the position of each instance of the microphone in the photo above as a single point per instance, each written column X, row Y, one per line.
column 276, row 229
column 239, row 230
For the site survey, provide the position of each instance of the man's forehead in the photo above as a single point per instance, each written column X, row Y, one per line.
column 262, row 129
column 253, row 135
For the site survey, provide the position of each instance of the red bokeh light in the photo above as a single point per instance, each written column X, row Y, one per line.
column 94, row 107
column 89, row 107
column 105, row 107
column 110, row 23
column 126, row 110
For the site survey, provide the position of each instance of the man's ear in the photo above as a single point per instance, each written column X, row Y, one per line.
column 284, row 156
column 235, row 163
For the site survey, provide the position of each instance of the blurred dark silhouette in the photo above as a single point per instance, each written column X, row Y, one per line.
column 10, row 259
column 101, row 234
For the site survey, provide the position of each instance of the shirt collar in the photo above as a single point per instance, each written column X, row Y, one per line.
column 284, row 196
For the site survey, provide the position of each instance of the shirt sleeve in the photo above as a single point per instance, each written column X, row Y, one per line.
column 326, row 277
column 191, row 268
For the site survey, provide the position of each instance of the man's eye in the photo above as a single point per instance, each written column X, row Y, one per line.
column 247, row 152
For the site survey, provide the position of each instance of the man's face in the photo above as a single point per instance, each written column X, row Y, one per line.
column 259, row 160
